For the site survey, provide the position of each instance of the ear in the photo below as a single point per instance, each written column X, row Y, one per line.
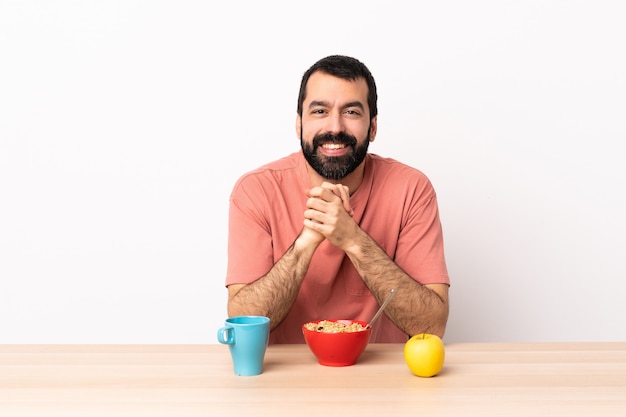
column 298, row 126
column 373, row 128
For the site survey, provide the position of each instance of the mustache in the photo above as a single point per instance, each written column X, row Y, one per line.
column 341, row 137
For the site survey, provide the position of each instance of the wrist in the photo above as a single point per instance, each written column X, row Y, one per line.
column 360, row 245
column 307, row 241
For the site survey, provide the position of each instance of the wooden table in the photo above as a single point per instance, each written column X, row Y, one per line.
column 549, row 379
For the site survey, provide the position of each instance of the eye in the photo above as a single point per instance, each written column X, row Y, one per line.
column 318, row 111
column 352, row 112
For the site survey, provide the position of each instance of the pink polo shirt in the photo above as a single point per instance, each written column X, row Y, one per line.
column 395, row 204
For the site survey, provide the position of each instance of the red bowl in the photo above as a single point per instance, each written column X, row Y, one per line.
column 337, row 349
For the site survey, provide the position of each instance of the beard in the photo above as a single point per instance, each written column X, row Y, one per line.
column 335, row 167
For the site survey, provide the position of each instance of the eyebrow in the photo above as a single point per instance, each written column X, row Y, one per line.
column 316, row 103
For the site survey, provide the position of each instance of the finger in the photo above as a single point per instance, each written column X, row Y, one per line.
column 342, row 192
column 326, row 194
column 345, row 197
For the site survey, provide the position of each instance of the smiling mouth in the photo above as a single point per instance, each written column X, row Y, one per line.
column 333, row 146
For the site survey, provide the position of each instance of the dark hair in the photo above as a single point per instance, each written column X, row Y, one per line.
column 343, row 67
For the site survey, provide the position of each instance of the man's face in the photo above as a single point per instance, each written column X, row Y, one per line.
column 335, row 128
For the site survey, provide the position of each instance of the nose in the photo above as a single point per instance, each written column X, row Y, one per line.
column 334, row 123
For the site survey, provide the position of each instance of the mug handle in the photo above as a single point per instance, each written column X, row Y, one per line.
column 230, row 335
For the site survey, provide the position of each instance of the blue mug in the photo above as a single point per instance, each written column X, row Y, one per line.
column 247, row 338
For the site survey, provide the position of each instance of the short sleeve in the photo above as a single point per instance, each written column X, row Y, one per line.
column 249, row 238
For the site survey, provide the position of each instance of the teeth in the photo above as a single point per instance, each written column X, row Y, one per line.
column 333, row 146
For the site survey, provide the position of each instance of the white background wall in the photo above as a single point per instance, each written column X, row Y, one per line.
column 124, row 125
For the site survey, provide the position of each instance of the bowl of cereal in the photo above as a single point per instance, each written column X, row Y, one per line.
column 337, row 342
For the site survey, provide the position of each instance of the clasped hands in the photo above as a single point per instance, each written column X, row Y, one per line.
column 329, row 215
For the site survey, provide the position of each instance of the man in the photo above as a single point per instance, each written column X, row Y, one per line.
column 326, row 233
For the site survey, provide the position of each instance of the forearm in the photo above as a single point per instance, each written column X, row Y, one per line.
column 273, row 294
column 415, row 308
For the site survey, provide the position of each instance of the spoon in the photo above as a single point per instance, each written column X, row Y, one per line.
column 382, row 307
